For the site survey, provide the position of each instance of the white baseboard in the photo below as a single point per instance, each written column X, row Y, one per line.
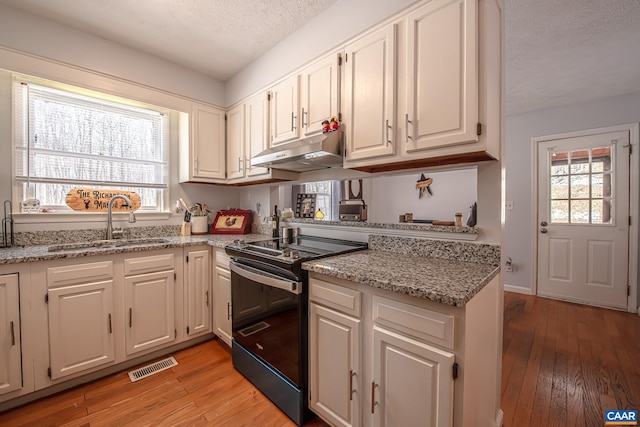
column 518, row 289
column 499, row 418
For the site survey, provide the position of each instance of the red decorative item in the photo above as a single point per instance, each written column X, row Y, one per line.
column 334, row 124
column 232, row 221
column 326, row 127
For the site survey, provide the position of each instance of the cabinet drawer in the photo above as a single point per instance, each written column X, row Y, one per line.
column 148, row 264
column 415, row 321
column 335, row 296
column 222, row 259
column 79, row 273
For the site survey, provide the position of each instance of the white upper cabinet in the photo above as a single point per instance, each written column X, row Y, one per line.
column 257, row 131
column 285, row 103
column 369, row 103
column 202, row 152
column 319, row 93
column 441, row 75
column 236, row 142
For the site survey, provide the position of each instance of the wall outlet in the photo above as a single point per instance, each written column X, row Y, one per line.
column 508, row 205
column 508, row 265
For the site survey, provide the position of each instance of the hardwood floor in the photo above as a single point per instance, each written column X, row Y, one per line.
column 564, row 364
column 203, row 390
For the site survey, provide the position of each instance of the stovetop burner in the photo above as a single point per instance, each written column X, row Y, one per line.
column 297, row 249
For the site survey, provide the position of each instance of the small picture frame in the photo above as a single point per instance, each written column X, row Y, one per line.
column 306, row 206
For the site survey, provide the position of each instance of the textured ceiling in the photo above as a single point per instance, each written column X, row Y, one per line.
column 557, row 52
column 215, row 37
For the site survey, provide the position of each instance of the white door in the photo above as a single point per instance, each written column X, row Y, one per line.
column 10, row 362
column 208, row 142
column 222, row 301
column 198, row 294
column 442, row 75
column 235, row 142
column 319, row 94
column 583, row 218
column 335, row 375
column 369, row 107
column 80, row 327
column 284, row 111
column 413, row 382
column 257, row 132
column 150, row 303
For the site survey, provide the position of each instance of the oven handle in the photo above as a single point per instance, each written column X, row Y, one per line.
column 265, row 278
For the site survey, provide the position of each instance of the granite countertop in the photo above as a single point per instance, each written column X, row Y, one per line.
column 18, row 254
column 447, row 281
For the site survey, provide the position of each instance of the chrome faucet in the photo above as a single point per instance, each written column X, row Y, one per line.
column 132, row 217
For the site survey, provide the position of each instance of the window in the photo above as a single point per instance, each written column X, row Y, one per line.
column 581, row 186
column 68, row 137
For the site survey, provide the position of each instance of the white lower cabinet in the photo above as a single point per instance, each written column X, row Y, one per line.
column 222, row 297
column 150, row 315
column 80, row 327
column 10, row 357
column 380, row 358
column 412, row 382
column 198, row 291
column 378, row 361
column 334, row 366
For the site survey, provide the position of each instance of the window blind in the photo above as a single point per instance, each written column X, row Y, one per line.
column 70, row 139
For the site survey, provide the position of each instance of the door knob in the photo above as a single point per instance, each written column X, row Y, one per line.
column 543, row 230
column 544, row 223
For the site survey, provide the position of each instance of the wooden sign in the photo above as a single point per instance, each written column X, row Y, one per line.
column 96, row 200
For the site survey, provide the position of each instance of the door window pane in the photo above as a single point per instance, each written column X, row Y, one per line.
column 581, row 186
column 560, row 211
column 559, row 187
column 580, row 211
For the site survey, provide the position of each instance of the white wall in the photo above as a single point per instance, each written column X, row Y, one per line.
column 27, row 33
column 389, row 196
column 340, row 22
column 517, row 239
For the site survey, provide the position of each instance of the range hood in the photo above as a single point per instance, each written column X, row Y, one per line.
column 316, row 152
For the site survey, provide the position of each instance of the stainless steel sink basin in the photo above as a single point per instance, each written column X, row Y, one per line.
column 106, row 244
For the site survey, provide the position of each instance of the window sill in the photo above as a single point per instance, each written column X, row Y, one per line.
column 82, row 217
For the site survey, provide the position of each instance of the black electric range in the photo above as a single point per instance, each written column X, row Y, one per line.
column 269, row 314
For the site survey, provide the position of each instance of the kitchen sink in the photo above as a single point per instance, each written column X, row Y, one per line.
column 106, row 244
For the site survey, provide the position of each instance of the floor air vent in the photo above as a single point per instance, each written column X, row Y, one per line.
column 147, row 371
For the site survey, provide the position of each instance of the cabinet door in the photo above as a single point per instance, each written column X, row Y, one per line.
column 412, row 382
column 80, row 327
column 208, row 143
column 319, row 94
column 335, row 376
column 235, row 142
column 442, row 75
column 10, row 357
column 198, row 292
column 369, row 107
column 257, row 132
column 150, row 316
column 284, row 111
column 222, row 304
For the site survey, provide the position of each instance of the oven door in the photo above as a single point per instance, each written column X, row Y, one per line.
column 266, row 314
